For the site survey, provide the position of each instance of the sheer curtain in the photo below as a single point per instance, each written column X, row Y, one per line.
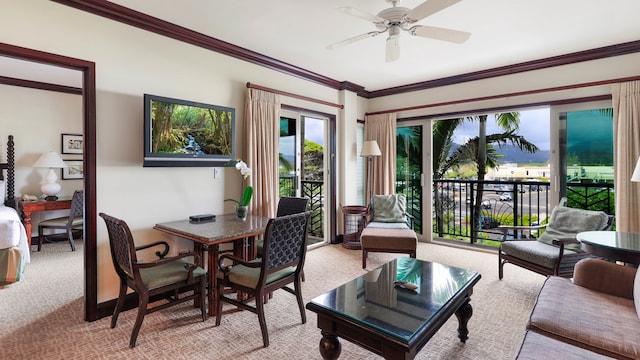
column 382, row 128
column 262, row 133
column 626, row 150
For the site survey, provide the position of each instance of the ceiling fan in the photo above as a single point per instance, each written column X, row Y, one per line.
column 397, row 18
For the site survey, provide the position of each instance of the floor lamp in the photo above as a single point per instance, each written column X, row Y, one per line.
column 370, row 150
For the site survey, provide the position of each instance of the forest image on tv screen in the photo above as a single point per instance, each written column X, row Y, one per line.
column 190, row 130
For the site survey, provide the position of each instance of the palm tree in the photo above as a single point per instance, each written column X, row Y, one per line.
column 480, row 149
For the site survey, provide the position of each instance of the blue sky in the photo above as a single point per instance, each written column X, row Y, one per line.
column 534, row 126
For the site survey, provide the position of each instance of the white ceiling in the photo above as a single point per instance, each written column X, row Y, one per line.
column 504, row 32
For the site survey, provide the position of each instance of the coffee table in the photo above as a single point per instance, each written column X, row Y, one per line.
column 392, row 321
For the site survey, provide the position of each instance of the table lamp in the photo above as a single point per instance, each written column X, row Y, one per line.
column 52, row 161
column 636, row 172
column 369, row 150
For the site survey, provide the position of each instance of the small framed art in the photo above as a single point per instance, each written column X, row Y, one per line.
column 72, row 144
column 73, row 171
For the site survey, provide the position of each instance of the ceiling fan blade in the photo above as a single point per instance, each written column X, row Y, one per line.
column 437, row 33
column 427, row 8
column 392, row 52
column 361, row 14
column 354, row 39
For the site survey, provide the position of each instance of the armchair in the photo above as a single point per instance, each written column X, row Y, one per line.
column 281, row 264
column 556, row 251
column 164, row 277
column 389, row 228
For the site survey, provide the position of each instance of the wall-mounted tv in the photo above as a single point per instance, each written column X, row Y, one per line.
column 186, row 133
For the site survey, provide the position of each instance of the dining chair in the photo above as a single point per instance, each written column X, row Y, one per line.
column 281, row 264
column 165, row 276
column 75, row 221
column 286, row 206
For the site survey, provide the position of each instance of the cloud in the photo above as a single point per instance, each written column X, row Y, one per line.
column 534, row 126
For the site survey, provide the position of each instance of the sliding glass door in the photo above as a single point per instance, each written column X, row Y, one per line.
column 302, row 152
column 585, row 164
column 409, row 170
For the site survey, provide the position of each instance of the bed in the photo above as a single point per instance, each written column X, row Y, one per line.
column 14, row 247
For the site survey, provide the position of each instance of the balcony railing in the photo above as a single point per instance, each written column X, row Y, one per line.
column 520, row 203
column 313, row 190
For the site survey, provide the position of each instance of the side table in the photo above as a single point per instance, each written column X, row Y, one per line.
column 612, row 245
column 26, row 208
column 355, row 219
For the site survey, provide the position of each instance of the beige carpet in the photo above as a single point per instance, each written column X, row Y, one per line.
column 41, row 316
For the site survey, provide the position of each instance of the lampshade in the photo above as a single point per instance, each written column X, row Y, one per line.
column 636, row 172
column 370, row 148
column 50, row 159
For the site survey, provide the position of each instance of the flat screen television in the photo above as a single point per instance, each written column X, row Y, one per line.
column 186, row 133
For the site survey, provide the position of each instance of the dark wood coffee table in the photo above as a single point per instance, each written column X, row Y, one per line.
column 394, row 322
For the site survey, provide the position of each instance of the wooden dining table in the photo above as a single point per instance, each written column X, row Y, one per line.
column 209, row 235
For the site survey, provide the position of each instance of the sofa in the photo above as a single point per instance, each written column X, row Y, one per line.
column 593, row 316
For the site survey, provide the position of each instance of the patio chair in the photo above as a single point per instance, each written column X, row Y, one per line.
column 556, row 251
column 165, row 276
column 285, row 247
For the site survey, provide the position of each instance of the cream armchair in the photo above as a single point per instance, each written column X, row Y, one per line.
column 389, row 228
column 556, row 251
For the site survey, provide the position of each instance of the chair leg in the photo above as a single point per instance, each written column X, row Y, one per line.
column 500, row 266
column 219, row 297
column 143, row 300
column 261, row 319
column 364, row 258
column 203, row 297
column 119, row 303
column 40, row 238
column 71, row 240
column 298, row 288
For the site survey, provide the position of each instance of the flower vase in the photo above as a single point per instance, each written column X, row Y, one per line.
column 241, row 212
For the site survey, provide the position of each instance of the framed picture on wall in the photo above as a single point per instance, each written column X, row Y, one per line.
column 72, row 144
column 73, row 171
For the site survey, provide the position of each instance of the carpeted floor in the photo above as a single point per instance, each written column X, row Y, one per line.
column 41, row 316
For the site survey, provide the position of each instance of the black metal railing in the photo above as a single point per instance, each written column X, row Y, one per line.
column 313, row 190
column 520, row 203
column 412, row 189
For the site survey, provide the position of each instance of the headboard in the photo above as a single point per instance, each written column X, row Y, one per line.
column 10, row 166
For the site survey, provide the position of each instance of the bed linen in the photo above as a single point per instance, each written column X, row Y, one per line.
column 13, row 242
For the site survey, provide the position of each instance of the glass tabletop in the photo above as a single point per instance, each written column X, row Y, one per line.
column 373, row 300
column 612, row 239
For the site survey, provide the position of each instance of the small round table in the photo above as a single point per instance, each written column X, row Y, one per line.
column 612, row 245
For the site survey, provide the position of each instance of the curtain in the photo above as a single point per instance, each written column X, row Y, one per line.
column 626, row 150
column 382, row 128
column 262, row 133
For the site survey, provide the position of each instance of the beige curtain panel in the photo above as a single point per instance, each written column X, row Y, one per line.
column 382, row 128
column 626, row 150
column 262, row 131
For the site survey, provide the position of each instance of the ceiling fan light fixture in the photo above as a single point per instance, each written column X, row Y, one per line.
column 392, row 52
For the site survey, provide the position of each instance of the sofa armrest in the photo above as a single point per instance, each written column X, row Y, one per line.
column 605, row 277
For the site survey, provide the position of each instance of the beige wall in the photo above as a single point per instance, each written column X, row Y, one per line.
column 36, row 119
column 129, row 63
